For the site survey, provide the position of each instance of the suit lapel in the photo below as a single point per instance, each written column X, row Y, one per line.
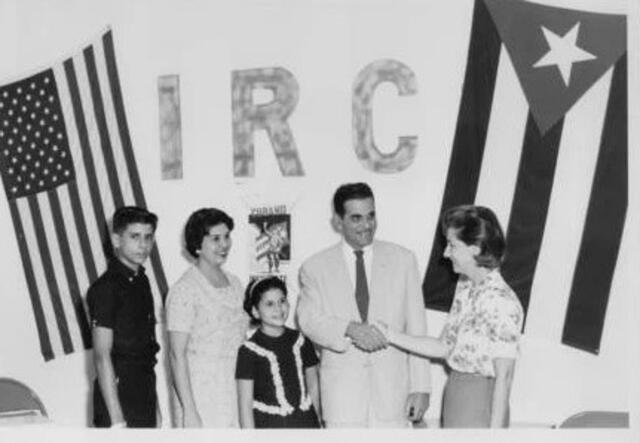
column 344, row 293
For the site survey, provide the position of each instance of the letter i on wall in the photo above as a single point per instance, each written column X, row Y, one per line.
column 170, row 127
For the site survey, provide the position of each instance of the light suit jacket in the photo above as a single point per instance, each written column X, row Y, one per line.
column 356, row 385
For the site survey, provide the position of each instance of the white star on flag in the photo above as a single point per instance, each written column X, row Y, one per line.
column 563, row 52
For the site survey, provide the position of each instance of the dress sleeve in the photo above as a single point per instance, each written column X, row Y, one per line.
column 245, row 364
column 309, row 355
column 180, row 309
column 103, row 306
column 505, row 317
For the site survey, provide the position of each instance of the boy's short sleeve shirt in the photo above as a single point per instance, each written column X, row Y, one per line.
column 121, row 300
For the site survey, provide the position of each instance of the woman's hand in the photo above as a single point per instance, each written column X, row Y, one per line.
column 384, row 329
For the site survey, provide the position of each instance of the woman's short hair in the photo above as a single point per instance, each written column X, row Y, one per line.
column 199, row 224
column 479, row 226
column 255, row 289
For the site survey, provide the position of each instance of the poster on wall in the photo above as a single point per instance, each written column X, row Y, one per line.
column 270, row 240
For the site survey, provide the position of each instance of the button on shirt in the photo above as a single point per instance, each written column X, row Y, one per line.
column 121, row 300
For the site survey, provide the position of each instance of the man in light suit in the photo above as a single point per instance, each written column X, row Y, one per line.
column 364, row 383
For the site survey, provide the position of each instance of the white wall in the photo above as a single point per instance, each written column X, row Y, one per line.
column 324, row 44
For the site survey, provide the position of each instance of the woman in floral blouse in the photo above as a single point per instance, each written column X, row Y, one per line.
column 480, row 339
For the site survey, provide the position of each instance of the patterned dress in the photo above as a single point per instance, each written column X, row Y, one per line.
column 217, row 326
column 276, row 365
column 484, row 323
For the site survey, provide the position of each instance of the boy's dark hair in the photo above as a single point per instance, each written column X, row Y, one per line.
column 350, row 191
column 477, row 225
column 199, row 224
column 255, row 289
column 128, row 215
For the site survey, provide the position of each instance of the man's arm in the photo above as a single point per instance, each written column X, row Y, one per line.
column 102, row 345
column 416, row 325
column 321, row 327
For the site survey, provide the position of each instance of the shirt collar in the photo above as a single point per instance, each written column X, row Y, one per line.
column 349, row 251
column 491, row 276
column 120, row 268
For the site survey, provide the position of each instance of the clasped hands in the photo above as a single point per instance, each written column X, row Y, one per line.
column 367, row 337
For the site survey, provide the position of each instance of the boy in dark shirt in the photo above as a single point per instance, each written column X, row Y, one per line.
column 123, row 327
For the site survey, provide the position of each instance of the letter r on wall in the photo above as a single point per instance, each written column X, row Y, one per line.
column 248, row 117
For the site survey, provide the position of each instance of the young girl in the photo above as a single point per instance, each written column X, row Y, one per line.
column 276, row 371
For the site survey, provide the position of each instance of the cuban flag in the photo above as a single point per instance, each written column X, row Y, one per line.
column 541, row 138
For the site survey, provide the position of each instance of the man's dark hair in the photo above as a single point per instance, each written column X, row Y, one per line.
column 199, row 224
column 128, row 215
column 350, row 191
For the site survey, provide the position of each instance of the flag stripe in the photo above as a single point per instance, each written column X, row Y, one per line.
column 87, row 155
column 47, row 265
column 69, row 268
column 603, row 229
column 105, row 141
column 468, row 147
column 577, row 156
column 40, row 279
column 81, row 230
column 34, row 295
column 95, row 230
column 116, row 93
column 98, row 158
column 55, row 251
column 530, row 206
column 507, row 126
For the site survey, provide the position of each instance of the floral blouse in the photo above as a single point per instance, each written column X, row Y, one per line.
column 484, row 323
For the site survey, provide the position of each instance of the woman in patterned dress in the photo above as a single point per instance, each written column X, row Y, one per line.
column 480, row 339
column 206, row 325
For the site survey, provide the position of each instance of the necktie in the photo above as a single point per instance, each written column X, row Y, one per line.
column 362, row 292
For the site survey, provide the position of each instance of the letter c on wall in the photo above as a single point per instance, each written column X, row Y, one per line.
column 363, row 89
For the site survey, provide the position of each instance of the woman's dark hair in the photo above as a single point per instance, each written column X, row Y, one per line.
column 255, row 289
column 198, row 226
column 479, row 226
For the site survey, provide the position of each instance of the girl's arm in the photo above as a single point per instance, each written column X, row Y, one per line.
column 180, row 369
column 313, row 387
column 504, row 368
column 425, row 346
column 245, row 403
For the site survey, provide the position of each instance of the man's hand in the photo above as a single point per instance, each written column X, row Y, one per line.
column 366, row 337
column 417, row 404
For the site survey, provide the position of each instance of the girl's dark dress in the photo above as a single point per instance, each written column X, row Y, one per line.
column 276, row 365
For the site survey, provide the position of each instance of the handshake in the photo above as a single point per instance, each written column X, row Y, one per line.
column 369, row 337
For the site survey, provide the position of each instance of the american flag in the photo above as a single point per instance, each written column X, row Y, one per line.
column 67, row 163
column 542, row 140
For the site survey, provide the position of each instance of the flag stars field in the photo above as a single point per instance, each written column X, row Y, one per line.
column 563, row 52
